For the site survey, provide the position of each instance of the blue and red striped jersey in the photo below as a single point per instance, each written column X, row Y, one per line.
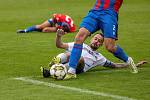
column 108, row 4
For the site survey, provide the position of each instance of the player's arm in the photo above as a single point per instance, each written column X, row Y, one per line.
column 115, row 65
column 121, row 65
column 59, row 43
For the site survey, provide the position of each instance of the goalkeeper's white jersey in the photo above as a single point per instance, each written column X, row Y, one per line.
column 91, row 58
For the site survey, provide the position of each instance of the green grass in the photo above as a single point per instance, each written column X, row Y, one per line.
column 22, row 55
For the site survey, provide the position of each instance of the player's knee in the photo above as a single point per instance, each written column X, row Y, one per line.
column 64, row 57
column 110, row 45
column 81, row 36
column 45, row 30
column 40, row 27
column 110, row 48
column 79, row 39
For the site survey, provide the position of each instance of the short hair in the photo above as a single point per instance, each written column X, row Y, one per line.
column 66, row 27
column 101, row 34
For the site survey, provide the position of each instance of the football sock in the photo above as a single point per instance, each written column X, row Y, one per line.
column 72, row 70
column 120, row 54
column 30, row 29
column 75, row 56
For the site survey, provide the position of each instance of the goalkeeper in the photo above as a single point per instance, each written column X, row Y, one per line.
column 90, row 58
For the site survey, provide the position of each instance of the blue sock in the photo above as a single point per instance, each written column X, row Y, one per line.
column 75, row 55
column 30, row 29
column 120, row 54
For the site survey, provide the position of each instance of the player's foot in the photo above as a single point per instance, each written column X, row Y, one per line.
column 21, row 31
column 45, row 72
column 55, row 60
column 70, row 76
column 132, row 65
column 141, row 63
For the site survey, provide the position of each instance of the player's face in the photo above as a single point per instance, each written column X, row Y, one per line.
column 96, row 41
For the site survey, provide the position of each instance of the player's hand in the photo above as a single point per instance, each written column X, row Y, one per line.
column 140, row 63
column 60, row 32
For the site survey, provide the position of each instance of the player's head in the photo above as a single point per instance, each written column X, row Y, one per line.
column 97, row 41
column 65, row 27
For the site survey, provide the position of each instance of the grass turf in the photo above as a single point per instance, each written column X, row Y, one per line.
column 22, row 55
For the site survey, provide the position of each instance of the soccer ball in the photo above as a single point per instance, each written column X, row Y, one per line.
column 58, row 71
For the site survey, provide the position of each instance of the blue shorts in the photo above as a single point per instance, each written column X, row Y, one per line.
column 51, row 22
column 106, row 22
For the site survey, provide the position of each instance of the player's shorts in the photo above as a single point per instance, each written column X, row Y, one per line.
column 51, row 22
column 103, row 21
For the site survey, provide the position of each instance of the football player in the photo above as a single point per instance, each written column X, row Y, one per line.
column 103, row 16
column 58, row 21
column 90, row 58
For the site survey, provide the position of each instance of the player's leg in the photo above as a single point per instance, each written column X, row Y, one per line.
column 27, row 30
column 80, row 66
column 39, row 27
column 110, row 35
column 60, row 58
column 76, row 51
column 64, row 59
column 47, row 26
column 87, row 27
column 49, row 29
column 116, row 50
column 45, row 72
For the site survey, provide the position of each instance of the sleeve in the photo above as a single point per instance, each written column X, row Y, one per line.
column 109, row 64
column 103, row 61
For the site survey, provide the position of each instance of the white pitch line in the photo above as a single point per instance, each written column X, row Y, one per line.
column 37, row 82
